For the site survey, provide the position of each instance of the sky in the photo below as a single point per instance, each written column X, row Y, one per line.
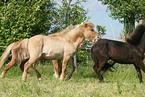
column 99, row 16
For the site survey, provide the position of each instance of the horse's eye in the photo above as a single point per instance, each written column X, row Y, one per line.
column 92, row 30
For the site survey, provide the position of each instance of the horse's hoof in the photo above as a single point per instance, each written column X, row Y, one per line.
column 56, row 76
column 67, row 77
column 39, row 78
column 28, row 75
column 101, row 81
column 61, row 79
column 1, row 76
column 141, row 82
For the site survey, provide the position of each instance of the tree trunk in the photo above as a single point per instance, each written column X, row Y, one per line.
column 129, row 25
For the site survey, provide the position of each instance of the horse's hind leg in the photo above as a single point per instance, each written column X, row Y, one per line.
column 139, row 73
column 22, row 67
column 141, row 66
column 60, row 66
column 26, row 66
column 7, row 67
column 36, row 72
column 33, row 68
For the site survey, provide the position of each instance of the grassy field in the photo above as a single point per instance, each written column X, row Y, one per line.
column 121, row 83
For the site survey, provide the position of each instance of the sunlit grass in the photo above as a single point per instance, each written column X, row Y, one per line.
column 121, row 83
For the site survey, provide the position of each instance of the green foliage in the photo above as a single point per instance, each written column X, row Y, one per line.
column 101, row 30
column 69, row 12
column 125, row 8
column 126, row 11
column 83, row 55
column 23, row 19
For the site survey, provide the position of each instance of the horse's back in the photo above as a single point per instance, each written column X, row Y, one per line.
column 101, row 43
column 106, row 47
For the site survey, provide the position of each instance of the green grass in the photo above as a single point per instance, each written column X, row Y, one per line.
column 121, row 83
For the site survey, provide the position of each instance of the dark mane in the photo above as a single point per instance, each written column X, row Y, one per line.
column 136, row 36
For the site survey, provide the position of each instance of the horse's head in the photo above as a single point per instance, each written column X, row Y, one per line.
column 89, row 32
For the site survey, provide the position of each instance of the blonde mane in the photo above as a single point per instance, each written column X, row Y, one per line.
column 62, row 32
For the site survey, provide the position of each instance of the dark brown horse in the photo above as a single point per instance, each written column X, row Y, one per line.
column 129, row 52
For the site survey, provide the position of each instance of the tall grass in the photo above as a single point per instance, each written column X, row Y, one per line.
column 121, row 83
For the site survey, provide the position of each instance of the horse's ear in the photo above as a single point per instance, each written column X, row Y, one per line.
column 86, row 25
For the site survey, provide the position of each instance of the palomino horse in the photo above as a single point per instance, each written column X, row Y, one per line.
column 129, row 52
column 60, row 47
column 19, row 55
column 20, row 59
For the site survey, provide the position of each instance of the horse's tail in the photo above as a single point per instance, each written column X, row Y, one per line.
column 5, row 54
column 21, row 51
column 95, row 59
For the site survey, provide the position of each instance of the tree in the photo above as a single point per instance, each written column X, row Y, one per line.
column 20, row 19
column 101, row 30
column 126, row 11
column 24, row 18
column 69, row 13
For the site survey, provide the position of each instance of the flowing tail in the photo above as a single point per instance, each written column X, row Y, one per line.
column 5, row 54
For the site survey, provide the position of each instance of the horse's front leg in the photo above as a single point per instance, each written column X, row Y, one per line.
column 70, row 62
column 65, row 60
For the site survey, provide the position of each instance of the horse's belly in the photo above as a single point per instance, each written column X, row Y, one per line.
column 122, row 59
column 53, row 54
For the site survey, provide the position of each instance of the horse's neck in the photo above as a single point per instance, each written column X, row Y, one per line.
column 142, row 43
column 78, row 42
column 76, row 36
